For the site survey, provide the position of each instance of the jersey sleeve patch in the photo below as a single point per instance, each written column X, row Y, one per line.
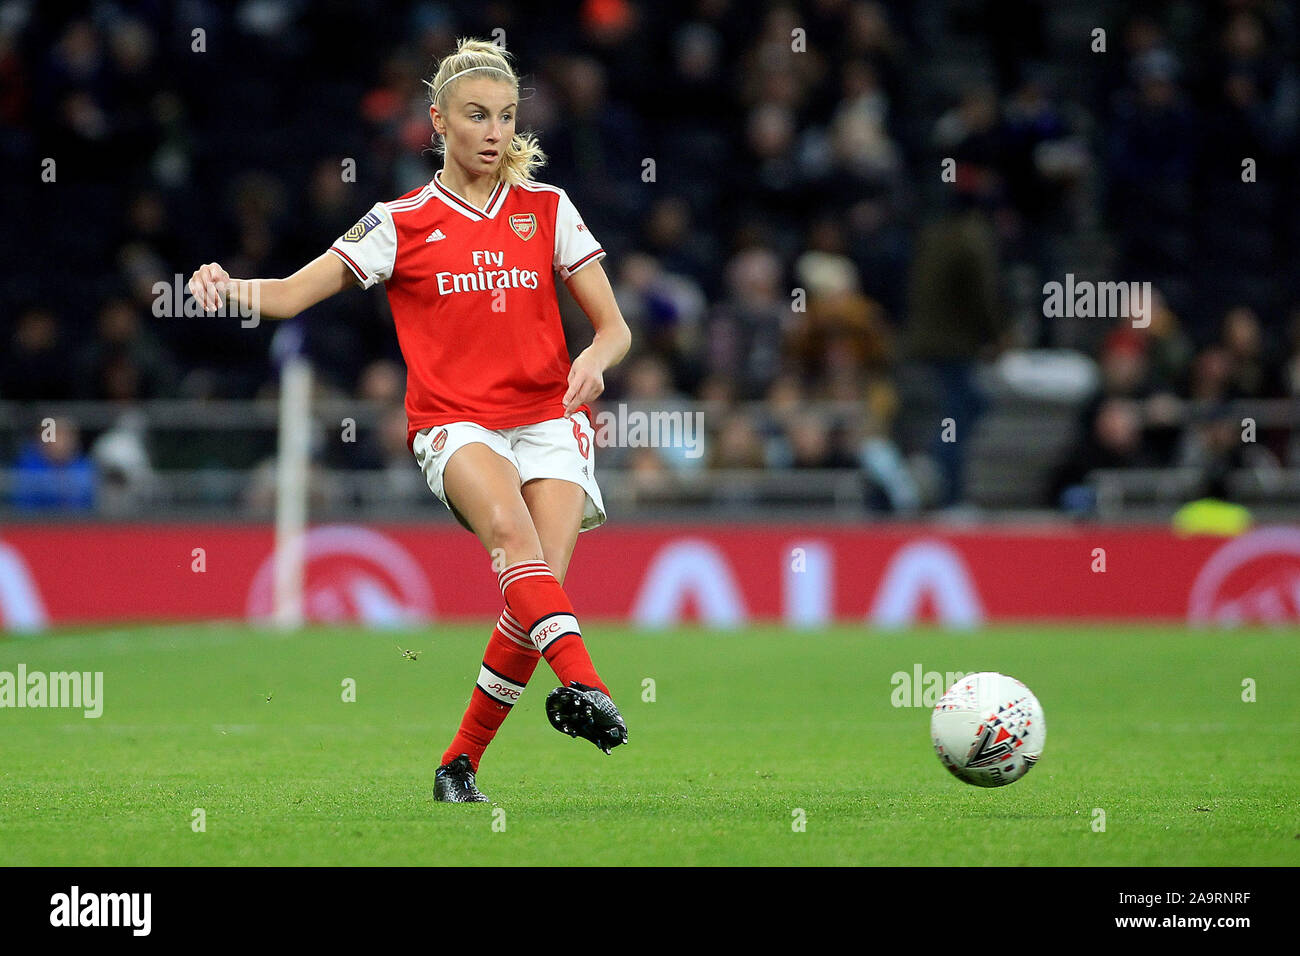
column 369, row 249
column 366, row 223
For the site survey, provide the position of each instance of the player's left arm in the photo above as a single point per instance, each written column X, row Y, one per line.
column 591, row 290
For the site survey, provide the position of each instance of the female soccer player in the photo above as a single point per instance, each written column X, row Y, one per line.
column 496, row 413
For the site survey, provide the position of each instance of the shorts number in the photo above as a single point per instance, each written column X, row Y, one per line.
column 584, row 443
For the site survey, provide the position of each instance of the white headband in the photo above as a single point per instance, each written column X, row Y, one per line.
column 438, row 92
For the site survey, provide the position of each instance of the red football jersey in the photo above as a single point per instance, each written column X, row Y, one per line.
column 473, row 298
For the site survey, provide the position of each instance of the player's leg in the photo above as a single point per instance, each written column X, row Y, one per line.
column 562, row 496
column 577, row 709
column 511, row 658
column 481, row 486
column 556, row 508
column 485, row 490
column 508, row 664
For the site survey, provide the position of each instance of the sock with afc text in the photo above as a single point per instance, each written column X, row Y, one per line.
column 508, row 663
column 539, row 603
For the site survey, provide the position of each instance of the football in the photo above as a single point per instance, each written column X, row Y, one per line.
column 988, row 729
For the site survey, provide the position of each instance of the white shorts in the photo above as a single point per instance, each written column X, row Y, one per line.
column 560, row 448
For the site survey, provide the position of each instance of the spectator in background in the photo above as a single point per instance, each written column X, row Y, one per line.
column 52, row 472
column 1168, row 351
column 1033, row 140
column 259, row 205
column 843, row 345
column 810, row 444
column 398, row 482
column 1113, row 440
column 866, row 185
column 857, row 180
column 1142, row 35
column 673, row 237
column 737, row 443
column 840, row 327
column 865, row 157
column 1291, row 371
column 666, row 313
column 1210, row 381
column 139, row 269
column 124, row 363
column 968, row 131
column 1151, row 159
column 746, row 330
column 1041, row 164
column 1251, row 374
column 869, row 36
column 695, row 84
column 784, row 403
column 330, row 201
column 1017, row 34
column 388, row 109
column 647, row 475
column 770, row 179
column 1213, row 446
column 34, row 366
column 148, row 224
column 768, row 74
column 955, row 318
column 121, row 457
column 382, row 383
column 598, row 140
column 333, row 338
column 1252, row 106
column 1238, row 221
column 83, row 130
column 718, row 392
column 1126, row 372
column 648, row 390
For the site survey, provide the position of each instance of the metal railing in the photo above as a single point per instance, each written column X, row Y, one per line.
column 213, row 459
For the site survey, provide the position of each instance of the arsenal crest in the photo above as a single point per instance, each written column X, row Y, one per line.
column 524, row 224
column 440, row 439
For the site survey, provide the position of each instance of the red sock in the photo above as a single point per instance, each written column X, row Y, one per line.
column 540, row 604
column 508, row 663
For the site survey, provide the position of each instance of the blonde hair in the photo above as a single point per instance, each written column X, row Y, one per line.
column 524, row 154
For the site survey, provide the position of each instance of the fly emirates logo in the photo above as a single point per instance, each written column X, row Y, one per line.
column 489, row 273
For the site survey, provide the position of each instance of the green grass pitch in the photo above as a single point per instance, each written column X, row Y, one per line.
column 745, row 729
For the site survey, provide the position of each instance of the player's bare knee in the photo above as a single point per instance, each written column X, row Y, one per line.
column 511, row 533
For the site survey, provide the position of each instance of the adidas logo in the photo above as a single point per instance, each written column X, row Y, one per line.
column 435, row 236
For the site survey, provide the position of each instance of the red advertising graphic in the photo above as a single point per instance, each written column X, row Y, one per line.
column 661, row 575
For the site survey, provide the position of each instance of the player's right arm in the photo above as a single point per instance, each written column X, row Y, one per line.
column 273, row 298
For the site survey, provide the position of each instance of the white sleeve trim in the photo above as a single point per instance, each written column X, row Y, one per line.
column 566, row 272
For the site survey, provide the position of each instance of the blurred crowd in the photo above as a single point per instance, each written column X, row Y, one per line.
column 799, row 236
